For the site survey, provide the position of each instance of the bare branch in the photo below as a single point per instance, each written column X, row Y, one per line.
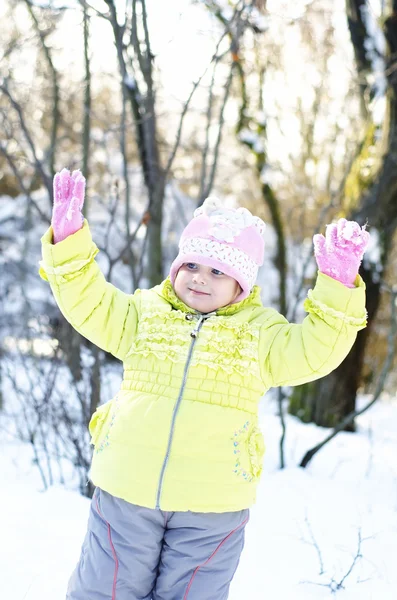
column 203, row 174
column 134, row 37
column 179, row 132
column 148, row 68
column 21, row 184
column 219, row 138
column 38, row 163
column 100, row 14
column 355, row 560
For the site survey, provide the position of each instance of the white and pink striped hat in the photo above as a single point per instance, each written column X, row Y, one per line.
column 227, row 239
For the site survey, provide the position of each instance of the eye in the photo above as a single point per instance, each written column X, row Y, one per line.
column 191, row 266
column 216, row 272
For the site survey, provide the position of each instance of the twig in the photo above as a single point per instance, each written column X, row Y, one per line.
column 356, row 558
column 336, row 586
column 315, row 544
column 179, row 132
column 185, row 108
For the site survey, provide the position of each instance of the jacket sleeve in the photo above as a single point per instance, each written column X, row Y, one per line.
column 292, row 354
column 95, row 308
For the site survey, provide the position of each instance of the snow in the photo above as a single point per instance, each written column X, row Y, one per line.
column 373, row 253
column 248, row 137
column 130, row 82
column 227, row 13
column 326, row 531
column 259, row 20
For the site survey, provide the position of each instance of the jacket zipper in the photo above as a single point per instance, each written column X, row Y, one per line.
column 194, row 335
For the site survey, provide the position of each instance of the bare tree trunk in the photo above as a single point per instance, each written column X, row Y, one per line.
column 70, row 343
column 154, row 256
column 143, row 110
column 87, row 103
column 280, row 259
column 355, row 10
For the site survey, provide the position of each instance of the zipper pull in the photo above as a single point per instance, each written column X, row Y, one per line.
column 202, row 318
column 195, row 331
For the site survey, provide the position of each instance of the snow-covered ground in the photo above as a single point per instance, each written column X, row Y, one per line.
column 327, row 531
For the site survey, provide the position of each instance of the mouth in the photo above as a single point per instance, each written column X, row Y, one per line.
column 197, row 293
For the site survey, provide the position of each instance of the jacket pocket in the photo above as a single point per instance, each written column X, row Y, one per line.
column 96, row 426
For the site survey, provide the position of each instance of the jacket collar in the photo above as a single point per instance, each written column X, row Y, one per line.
column 166, row 291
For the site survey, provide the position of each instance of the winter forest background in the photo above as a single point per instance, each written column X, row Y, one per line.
column 286, row 107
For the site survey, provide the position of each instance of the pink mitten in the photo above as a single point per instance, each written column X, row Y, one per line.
column 340, row 253
column 68, row 202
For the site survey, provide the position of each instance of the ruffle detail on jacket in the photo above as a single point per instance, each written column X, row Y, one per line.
column 235, row 354
column 228, row 365
column 312, row 305
column 223, row 343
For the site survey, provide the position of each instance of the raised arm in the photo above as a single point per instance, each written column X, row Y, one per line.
column 293, row 354
column 99, row 311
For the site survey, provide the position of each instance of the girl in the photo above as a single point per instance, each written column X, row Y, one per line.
column 177, row 452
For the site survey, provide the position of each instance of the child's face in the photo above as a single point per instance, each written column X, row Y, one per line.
column 205, row 289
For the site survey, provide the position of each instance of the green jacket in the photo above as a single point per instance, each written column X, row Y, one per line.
column 182, row 432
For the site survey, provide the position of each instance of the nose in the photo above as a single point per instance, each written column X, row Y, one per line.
column 199, row 278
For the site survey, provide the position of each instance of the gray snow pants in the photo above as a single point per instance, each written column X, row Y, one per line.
column 136, row 553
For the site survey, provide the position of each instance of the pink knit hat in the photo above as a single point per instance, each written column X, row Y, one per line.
column 227, row 239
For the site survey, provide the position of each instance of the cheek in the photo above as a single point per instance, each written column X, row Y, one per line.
column 181, row 281
column 230, row 290
column 235, row 290
column 177, row 282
